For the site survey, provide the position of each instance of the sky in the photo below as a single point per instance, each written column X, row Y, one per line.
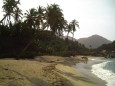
column 94, row 16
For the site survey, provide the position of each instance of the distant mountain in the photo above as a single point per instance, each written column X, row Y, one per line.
column 93, row 41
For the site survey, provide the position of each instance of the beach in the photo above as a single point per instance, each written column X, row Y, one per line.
column 49, row 71
column 86, row 70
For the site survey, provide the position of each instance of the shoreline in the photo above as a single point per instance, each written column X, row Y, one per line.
column 85, row 69
column 48, row 71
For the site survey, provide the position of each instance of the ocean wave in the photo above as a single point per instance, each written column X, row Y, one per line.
column 105, row 72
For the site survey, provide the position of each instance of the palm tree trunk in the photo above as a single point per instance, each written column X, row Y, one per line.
column 4, row 18
column 25, row 48
column 67, row 35
column 73, row 37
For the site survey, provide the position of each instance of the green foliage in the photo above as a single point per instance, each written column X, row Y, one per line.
column 39, row 33
column 14, row 40
column 11, row 9
column 108, row 47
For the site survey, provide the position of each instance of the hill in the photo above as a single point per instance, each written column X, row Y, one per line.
column 94, row 41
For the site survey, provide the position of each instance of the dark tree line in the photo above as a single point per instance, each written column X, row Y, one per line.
column 39, row 31
column 109, row 47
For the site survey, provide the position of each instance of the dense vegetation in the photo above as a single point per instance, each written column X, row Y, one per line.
column 39, row 31
column 108, row 48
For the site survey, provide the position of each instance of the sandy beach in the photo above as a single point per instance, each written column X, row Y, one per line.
column 48, row 71
column 80, row 74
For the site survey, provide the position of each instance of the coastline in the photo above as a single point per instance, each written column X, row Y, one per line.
column 48, row 71
column 85, row 69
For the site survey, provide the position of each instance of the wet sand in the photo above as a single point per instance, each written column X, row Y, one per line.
column 85, row 69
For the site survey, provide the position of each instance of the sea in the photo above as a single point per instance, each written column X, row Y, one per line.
column 105, row 71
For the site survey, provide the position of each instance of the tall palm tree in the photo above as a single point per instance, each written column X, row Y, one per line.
column 30, row 17
column 41, row 19
column 17, row 15
column 74, row 23
column 9, row 7
column 62, row 26
column 54, row 18
column 71, row 28
column 68, row 29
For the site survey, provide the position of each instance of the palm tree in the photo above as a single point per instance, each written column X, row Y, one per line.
column 55, row 18
column 62, row 26
column 74, row 23
column 17, row 15
column 30, row 21
column 30, row 18
column 68, row 29
column 41, row 19
column 71, row 27
column 9, row 8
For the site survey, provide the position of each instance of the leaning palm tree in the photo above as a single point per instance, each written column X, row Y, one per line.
column 30, row 22
column 9, row 7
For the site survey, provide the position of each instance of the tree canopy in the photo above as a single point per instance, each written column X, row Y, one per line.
column 39, row 31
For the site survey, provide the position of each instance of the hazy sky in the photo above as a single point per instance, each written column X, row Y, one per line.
column 94, row 16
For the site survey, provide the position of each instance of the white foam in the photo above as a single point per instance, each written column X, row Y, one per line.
column 107, row 75
column 92, row 59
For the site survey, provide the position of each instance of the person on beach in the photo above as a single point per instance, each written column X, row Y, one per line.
column 85, row 59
